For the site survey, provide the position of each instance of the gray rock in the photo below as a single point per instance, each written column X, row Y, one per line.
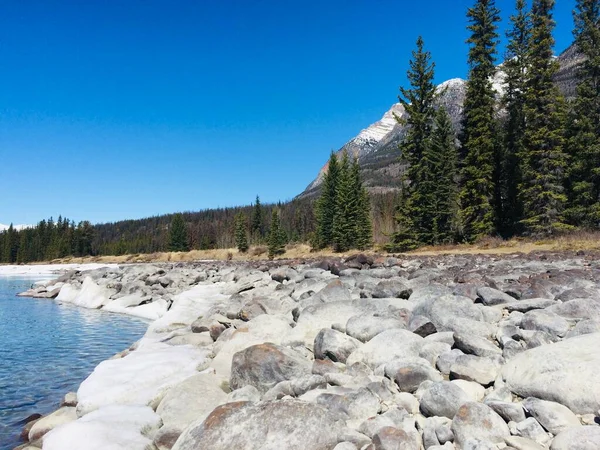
column 579, row 308
column 265, row 365
column 529, row 305
column 246, row 394
column 510, row 412
column 553, row 416
column 584, row 327
column 431, row 351
column 422, row 326
column 334, row 345
column 478, row 421
column 293, row 425
column 581, row 438
column 530, row 429
column 390, row 438
column 353, row 404
column 544, row 320
column 446, row 359
column 475, row 345
column 345, row 446
column 474, row 368
column 386, row 346
column 565, row 372
column 409, row 373
column 335, row 291
column 521, row 443
column 366, row 326
column 490, row 296
column 443, row 399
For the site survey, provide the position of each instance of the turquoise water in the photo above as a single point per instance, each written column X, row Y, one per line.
column 47, row 349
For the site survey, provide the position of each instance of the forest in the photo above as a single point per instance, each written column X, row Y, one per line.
column 523, row 163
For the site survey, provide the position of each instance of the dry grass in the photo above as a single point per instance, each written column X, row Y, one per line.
column 575, row 241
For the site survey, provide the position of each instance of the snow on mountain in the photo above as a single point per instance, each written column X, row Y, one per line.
column 16, row 227
column 380, row 129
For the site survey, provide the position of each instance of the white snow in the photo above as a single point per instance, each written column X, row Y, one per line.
column 91, row 295
column 450, row 84
column 109, row 428
column 379, row 130
column 4, row 227
column 46, row 270
column 152, row 311
column 140, row 378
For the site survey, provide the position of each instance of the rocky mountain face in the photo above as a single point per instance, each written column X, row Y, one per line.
column 376, row 147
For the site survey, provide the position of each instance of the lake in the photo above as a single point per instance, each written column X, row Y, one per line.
column 47, row 349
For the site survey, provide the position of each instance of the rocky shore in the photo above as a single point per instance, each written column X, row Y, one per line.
column 453, row 352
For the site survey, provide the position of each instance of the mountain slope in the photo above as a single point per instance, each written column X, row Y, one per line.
column 377, row 145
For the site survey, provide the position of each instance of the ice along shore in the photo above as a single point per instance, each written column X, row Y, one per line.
column 453, row 352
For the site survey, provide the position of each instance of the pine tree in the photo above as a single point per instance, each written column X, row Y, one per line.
column 325, row 205
column 584, row 121
column 443, row 165
column 345, row 216
column 178, row 237
column 418, row 102
column 241, row 240
column 364, row 227
column 479, row 195
column 543, row 158
column 257, row 219
column 276, row 242
column 516, row 68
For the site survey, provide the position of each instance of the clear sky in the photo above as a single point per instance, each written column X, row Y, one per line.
column 124, row 109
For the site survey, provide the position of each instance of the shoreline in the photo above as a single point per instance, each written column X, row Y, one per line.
column 336, row 324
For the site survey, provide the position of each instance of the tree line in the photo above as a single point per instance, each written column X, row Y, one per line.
column 526, row 162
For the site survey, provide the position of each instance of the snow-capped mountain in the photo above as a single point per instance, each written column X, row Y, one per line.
column 377, row 145
column 16, row 227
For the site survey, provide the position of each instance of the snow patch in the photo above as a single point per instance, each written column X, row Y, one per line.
column 47, row 270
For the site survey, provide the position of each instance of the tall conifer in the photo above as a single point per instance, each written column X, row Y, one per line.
column 543, row 158
column 178, row 236
column 478, row 195
column 584, row 121
column 241, row 240
column 346, row 208
column 516, row 68
column 325, row 206
column 257, row 219
column 364, row 226
column 276, row 242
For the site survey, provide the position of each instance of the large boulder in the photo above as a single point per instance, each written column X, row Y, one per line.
column 565, row 372
column 59, row 417
column 293, row 425
column 409, row 373
column 443, row 399
column 554, row 417
column 189, row 401
column 581, row 438
column 334, row 345
column 391, row 344
column 265, row 365
column 476, row 421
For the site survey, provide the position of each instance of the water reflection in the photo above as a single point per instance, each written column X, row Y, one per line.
column 47, row 349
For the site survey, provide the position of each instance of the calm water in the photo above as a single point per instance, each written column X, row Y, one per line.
column 48, row 349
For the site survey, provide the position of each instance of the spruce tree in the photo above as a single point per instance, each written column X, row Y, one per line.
column 543, row 158
column 584, row 121
column 480, row 170
column 276, row 242
column 178, row 237
column 241, row 240
column 516, row 68
column 443, row 165
column 325, row 205
column 346, row 209
column 257, row 219
column 364, row 228
column 418, row 102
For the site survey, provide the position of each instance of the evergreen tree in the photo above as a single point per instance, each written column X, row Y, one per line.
column 543, row 158
column 364, row 227
column 241, row 240
column 404, row 238
column 178, row 236
column 325, row 206
column 418, row 102
column 257, row 219
column 346, row 208
column 584, row 121
column 479, row 195
column 443, row 164
column 516, row 68
column 276, row 240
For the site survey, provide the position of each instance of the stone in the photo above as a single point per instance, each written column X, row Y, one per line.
column 409, row 373
column 490, row 296
column 335, row 291
column 366, row 326
column 443, row 399
column 47, row 423
column 475, row 391
column 544, row 320
column 334, row 345
column 386, row 346
column 521, row 443
column 553, row 416
column 70, row 399
column 265, row 365
column 246, row 394
column 510, row 412
column 352, row 404
column 579, row 308
column 565, row 372
column 390, row 438
column 529, row 305
column 474, row 368
column 584, row 327
column 446, row 359
column 478, row 421
column 581, row 438
column 475, row 345
column 292, row 424
column 191, row 400
column 530, row 429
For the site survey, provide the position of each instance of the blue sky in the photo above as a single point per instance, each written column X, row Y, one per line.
column 125, row 109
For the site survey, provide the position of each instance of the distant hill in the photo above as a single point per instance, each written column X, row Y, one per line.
column 377, row 145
